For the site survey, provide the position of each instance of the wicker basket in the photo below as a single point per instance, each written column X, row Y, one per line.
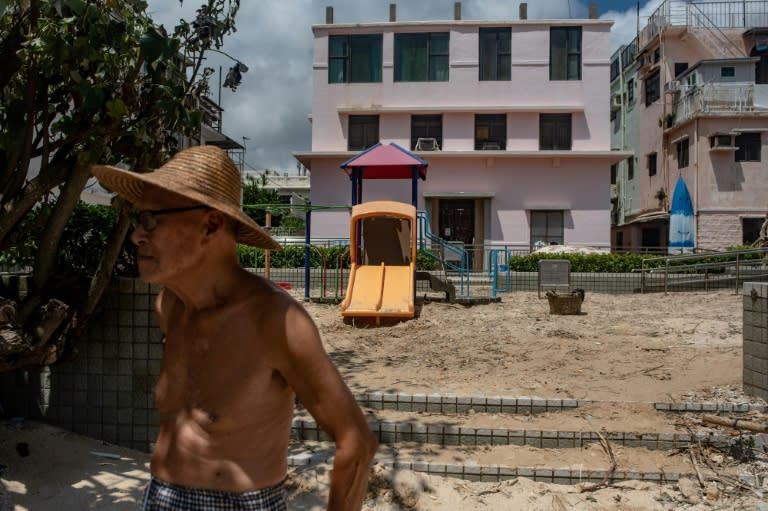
column 564, row 304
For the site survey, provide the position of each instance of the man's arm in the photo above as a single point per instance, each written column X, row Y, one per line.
column 320, row 388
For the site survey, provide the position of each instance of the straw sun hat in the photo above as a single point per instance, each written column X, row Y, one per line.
column 204, row 174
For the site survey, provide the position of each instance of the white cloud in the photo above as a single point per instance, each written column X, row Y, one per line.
column 274, row 39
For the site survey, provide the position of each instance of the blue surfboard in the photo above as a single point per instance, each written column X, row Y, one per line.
column 681, row 221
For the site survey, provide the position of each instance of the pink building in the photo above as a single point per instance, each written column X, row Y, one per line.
column 512, row 117
column 701, row 112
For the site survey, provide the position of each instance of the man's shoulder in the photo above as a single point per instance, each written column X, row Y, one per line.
column 259, row 290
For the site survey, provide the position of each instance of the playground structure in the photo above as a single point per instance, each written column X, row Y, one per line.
column 385, row 162
column 383, row 261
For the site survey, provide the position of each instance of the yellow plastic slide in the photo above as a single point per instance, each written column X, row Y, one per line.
column 381, row 281
column 380, row 291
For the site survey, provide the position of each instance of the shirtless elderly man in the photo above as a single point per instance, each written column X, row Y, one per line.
column 237, row 350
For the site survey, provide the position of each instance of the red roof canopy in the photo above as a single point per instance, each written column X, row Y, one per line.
column 386, row 162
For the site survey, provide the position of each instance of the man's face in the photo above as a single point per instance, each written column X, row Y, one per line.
column 171, row 246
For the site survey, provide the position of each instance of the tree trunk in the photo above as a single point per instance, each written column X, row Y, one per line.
column 65, row 205
column 39, row 343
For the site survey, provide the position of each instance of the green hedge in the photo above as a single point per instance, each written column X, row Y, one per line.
column 611, row 263
column 292, row 256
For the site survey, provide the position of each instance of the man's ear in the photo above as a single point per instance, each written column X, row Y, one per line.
column 214, row 222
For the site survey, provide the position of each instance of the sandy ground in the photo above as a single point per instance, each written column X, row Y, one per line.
column 624, row 351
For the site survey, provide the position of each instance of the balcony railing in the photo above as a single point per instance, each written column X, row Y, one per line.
column 744, row 14
column 714, row 98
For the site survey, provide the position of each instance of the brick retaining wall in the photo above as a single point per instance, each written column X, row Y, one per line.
column 756, row 339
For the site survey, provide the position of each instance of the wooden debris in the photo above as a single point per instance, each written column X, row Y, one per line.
column 735, row 423
column 606, row 480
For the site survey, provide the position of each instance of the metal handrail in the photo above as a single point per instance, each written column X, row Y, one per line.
column 671, row 267
column 425, row 233
column 697, row 14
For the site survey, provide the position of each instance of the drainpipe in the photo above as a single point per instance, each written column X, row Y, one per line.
column 623, row 136
column 696, row 181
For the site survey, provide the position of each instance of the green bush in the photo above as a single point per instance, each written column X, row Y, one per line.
column 615, row 263
column 292, row 256
column 82, row 243
column 425, row 262
column 589, row 263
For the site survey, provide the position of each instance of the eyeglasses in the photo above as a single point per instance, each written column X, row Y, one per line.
column 147, row 220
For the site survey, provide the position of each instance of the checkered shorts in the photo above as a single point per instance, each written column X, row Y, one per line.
column 162, row 496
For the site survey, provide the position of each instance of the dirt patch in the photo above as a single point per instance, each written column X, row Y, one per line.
column 633, row 347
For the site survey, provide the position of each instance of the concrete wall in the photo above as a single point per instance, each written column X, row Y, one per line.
column 756, row 339
column 528, row 90
column 578, row 186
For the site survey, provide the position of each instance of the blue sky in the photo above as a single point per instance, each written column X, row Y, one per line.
column 274, row 40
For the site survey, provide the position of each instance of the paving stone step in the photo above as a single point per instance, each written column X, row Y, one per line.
column 302, row 455
column 454, row 435
column 450, row 403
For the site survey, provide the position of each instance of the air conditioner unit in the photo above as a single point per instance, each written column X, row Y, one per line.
column 672, row 86
column 721, row 142
column 427, row 144
column 616, row 102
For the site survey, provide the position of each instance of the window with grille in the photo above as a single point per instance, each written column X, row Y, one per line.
column 555, row 132
column 354, row 58
column 682, row 154
column 363, row 132
column 748, row 147
column 750, row 230
column 652, row 89
column 565, row 53
column 426, row 126
column 546, row 228
column 490, row 132
column 495, row 53
column 421, row 57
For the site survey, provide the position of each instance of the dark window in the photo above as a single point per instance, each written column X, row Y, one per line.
column 727, row 72
column 421, row 57
column 363, row 131
column 631, row 168
column 495, row 54
column 750, row 229
column 555, row 132
column 656, row 55
column 630, row 90
column 613, row 174
column 354, row 58
column 748, row 147
column 490, row 132
column 619, row 239
column 680, row 67
column 651, row 238
column 426, row 126
column 682, row 154
column 565, row 53
column 652, row 164
column 546, row 228
column 615, row 69
column 652, row 89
